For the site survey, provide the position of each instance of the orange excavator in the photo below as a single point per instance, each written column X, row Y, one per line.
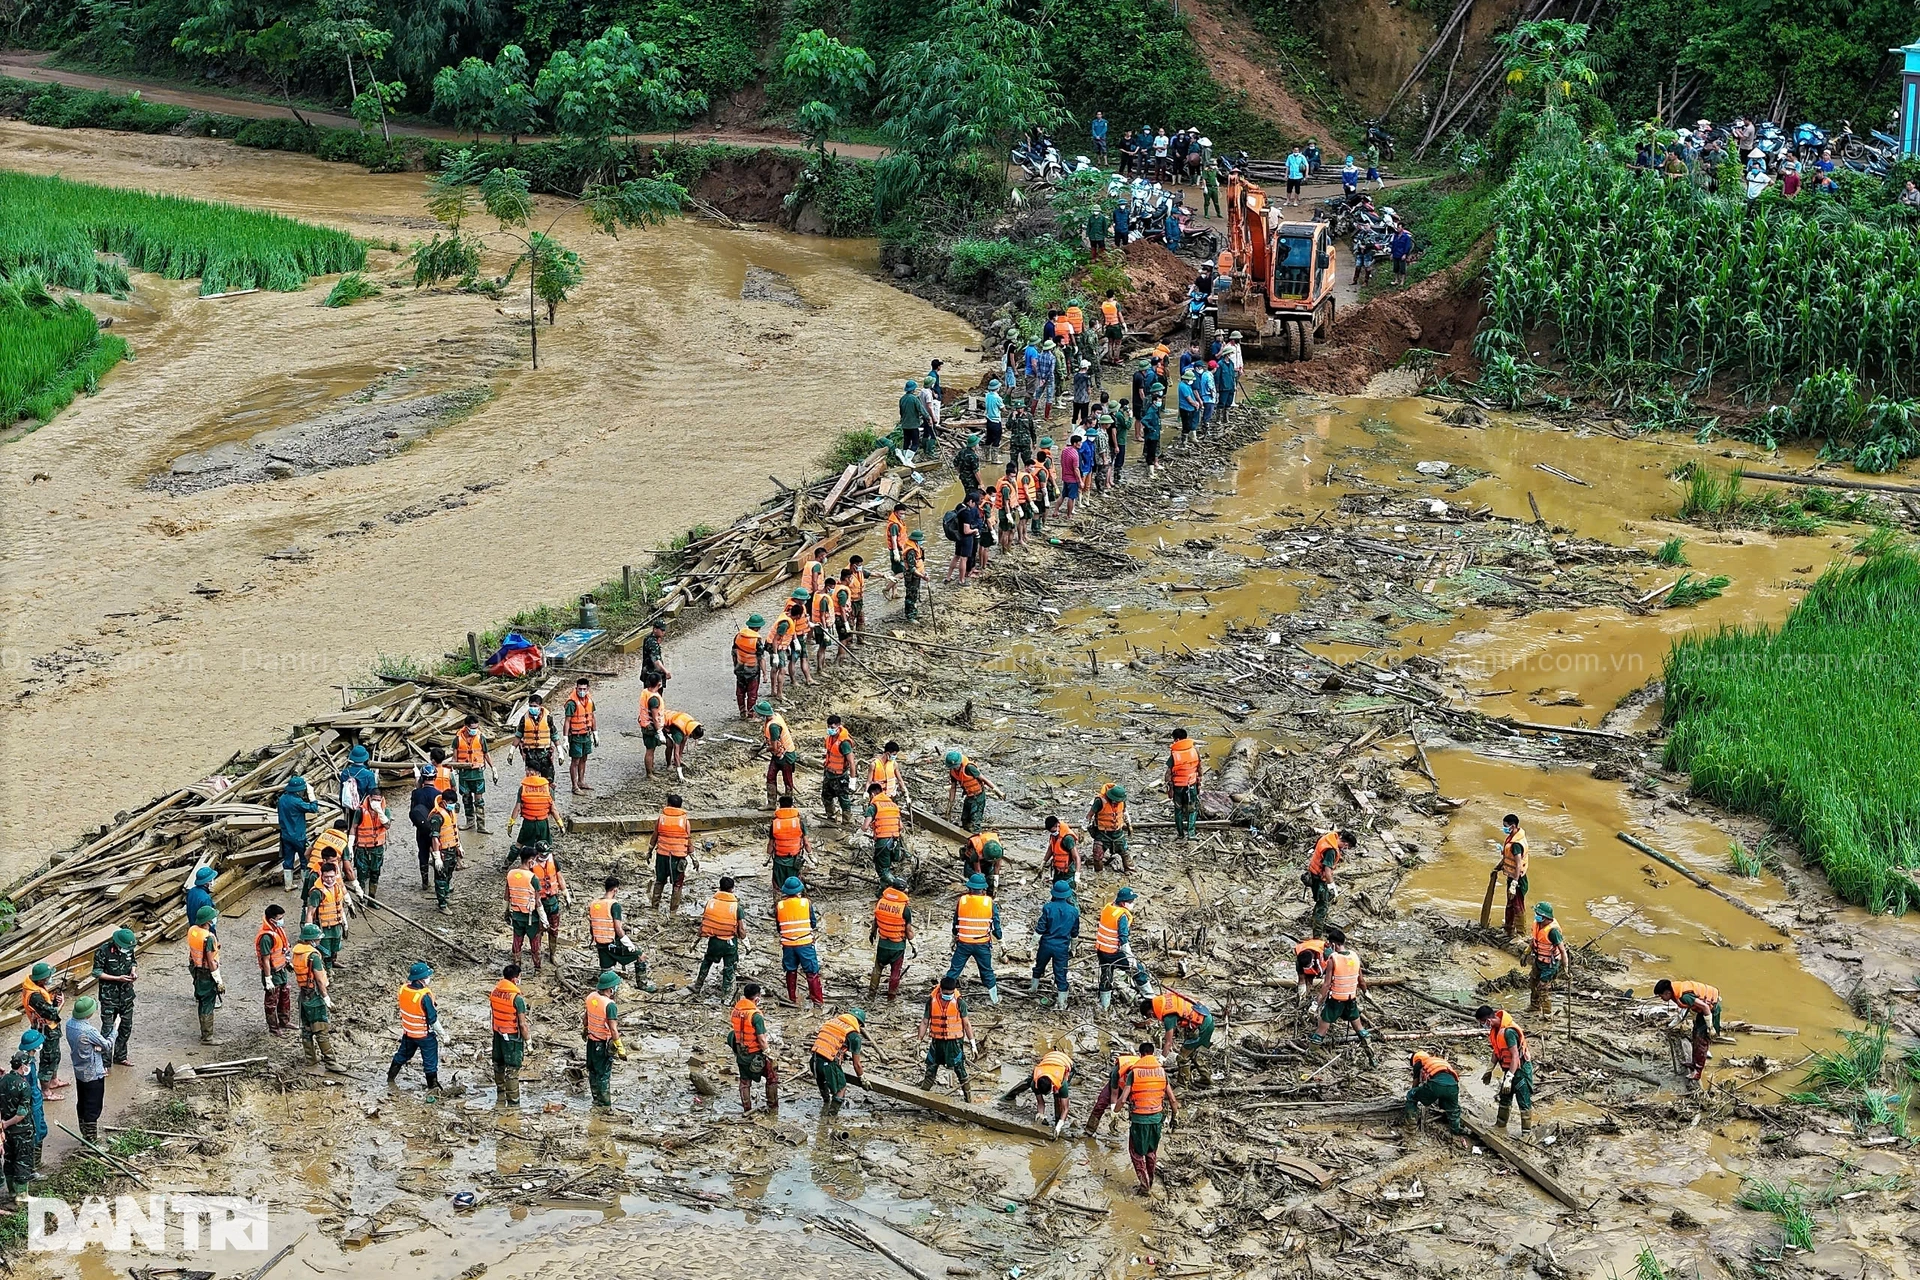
column 1283, row 274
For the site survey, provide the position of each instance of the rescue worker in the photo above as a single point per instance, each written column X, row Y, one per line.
column 115, row 973
column 16, row 1127
column 471, row 764
column 422, row 807
column 553, row 893
column 1309, row 967
column 1437, row 1084
column 836, row 772
column 1328, row 852
column 1513, row 865
column 981, row 855
column 778, row 742
column 370, row 830
column 1340, row 988
column 965, row 778
column 271, row 949
column 90, row 1051
column 203, row 963
column 40, row 1005
column 1057, row 926
column 1140, row 1080
column 600, row 1025
column 1177, row 1013
column 748, row 1040
column 1510, row 1055
column 1703, row 1002
column 1183, row 783
column 1549, row 958
column 1107, row 819
column 443, row 856
column 533, row 808
column 839, row 1036
column 888, row 831
column 309, row 965
column 890, row 932
column 419, row 1025
column 1113, row 946
column 523, row 905
column 1052, row 1076
column 776, row 645
column 976, row 924
column 607, row 929
column 510, row 1034
column 681, row 729
column 855, row 576
column 653, row 655
column 671, row 845
column 533, row 737
column 328, row 906
column 200, row 892
column 749, row 660
column 292, row 809
column 947, row 1031
column 799, row 923
column 31, row 1043
column 653, row 718
column 725, row 932
column 885, row 770
column 787, row 843
column 331, row 846
column 1062, row 861
column 583, row 735
column 914, row 561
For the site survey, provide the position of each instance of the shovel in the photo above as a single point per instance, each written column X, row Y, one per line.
column 1486, row 905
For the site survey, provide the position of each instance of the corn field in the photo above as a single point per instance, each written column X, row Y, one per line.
column 49, row 350
column 1625, row 267
column 60, row 228
column 1814, row 726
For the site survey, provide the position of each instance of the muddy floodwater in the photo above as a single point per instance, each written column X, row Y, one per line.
column 170, row 601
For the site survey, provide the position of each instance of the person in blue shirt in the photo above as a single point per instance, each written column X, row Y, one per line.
column 419, row 1026
column 1042, row 387
column 1122, row 217
column 1173, row 231
column 1296, row 174
column 996, row 420
column 1099, row 131
column 1189, row 408
column 295, row 806
column 1350, row 177
column 1400, row 249
column 1228, row 378
column 201, row 893
column 1209, row 395
column 1058, row 926
column 1150, row 428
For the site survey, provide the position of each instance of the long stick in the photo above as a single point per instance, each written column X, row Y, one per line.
column 104, row 1154
column 1825, row 482
column 446, row 942
column 1699, row 880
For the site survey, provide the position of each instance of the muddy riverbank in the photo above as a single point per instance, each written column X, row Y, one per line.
column 241, row 608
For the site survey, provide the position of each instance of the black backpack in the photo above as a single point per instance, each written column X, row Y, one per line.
column 950, row 525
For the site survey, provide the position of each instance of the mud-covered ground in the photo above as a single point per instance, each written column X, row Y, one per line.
column 1299, row 605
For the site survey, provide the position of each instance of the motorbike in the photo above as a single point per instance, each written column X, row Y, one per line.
column 1037, row 161
column 1378, row 137
column 1808, row 140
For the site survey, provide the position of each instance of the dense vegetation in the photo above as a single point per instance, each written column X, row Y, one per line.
column 1813, row 726
column 49, row 349
column 61, row 228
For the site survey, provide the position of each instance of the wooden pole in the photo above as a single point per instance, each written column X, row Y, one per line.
column 940, row 1104
column 449, row 943
column 1829, row 482
column 1699, row 880
column 1502, row 1147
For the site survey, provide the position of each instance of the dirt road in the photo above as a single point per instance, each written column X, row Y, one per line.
column 151, row 635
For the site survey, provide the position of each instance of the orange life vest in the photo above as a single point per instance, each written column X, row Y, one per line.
column 332, row 907
column 536, row 798
column 522, row 890
column 28, row 990
column 1059, row 856
column 1107, row 938
column 1543, row 948
column 890, row 915
column 746, row 649
column 203, row 948
column 943, row 1015
column 653, row 711
column 1426, row 1066
column 443, row 780
column 1054, row 1067
column 1077, row 319
column 1704, row 996
column 785, row 746
column 449, row 831
column 795, row 917
column 814, row 578
column 413, row 1011
column 673, row 832
column 536, row 730
column 1109, row 815
column 599, row 1024
column 371, row 831
column 276, row 955
column 1320, row 866
column 1497, row 1038
column 304, row 971
column 976, row 845
column 721, row 919
column 969, row 784
column 600, row 921
column 506, row 1018
column 836, row 751
column 580, row 717
column 1344, row 966
column 469, row 750
column 896, row 533
column 327, row 842
column 886, row 817
column 1110, row 311
column 820, row 610
column 974, row 916
column 885, row 772
column 857, row 585
column 547, row 871
column 1189, row 1013
column 685, row 723
column 745, row 1038
column 1185, row 765
column 1145, row 1081
column 787, row 833
column 1513, row 862
column 1315, row 947
column 833, row 1036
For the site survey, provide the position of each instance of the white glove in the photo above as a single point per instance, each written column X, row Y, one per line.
column 328, row 1001
column 219, row 983
column 265, row 981
column 1506, row 1082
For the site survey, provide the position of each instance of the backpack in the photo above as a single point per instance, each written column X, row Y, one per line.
column 950, row 525
column 349, row 793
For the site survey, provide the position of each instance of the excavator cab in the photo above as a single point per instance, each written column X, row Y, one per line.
column 1283, row 277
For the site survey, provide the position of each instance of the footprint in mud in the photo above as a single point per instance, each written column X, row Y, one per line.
column 763, row 285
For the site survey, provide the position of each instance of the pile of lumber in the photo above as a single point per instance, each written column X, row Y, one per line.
column 135, row 873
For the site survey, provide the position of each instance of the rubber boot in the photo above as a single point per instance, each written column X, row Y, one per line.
column 286, row 879
column 311, row 1049
column 1060, row 1000
column 513, row 1086
column 1106, row 998
column 373, row 887
column 273, row 1012
column 325, row 1040
column 993, row 993
column 793, row 986
column 534, row 944
column 746, row 1097
column 499, row 1083
column 673, row 908
column 1506, row 1109
column 653, row 902
column 926, row 1081
column 700, row 981
column 966, row 1089
column 1526, row 1123
column 393, row 1072
column 873, row 982
column 433, row 1080
column 773, row 797
column 1033, row 985
column 817, row 992
column 90, row 1130
column 425, row 884
column 206, row 1028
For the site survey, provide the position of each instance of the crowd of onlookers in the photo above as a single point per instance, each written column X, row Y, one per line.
column 1768, row 160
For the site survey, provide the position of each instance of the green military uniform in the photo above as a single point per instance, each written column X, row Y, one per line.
column 331, row 936
column 1441, row 1091
column 509, row 1053
column 115, row 956
column 600, row 1053
column 579, row 745
column 1209, row 193
column 47, row 1011
column 951, row 1054
column 1020, row 435
column 887, row 850
column 830, row 1075
column 16, row 1100
column 316, row 1034
column 912, row 558
column 966, row 465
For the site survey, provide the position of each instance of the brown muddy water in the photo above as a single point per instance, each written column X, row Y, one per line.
column 147, row 636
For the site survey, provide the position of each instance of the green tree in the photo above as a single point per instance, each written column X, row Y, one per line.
column 956, row 101
column 1550, row 58
column 460, row 190
column 830, row 76
column 613, row 85
column 475, row 95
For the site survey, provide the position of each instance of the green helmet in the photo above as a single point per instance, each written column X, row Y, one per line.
column 860, row 1016
column 84, row 1007
column 42, row 971
column 953, row 759
column 309, row 933
column 206, row 915
column 608, row 981
column 993, row 849
column 1543, row 911
column 1116, row 792
column 755, row 621
column 763, row 708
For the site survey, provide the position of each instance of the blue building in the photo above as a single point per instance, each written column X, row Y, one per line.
column 1909, row 126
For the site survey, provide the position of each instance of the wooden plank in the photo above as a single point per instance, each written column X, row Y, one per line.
column 1506, row 1150
column 940, row 1104
column 839, row 488
column 631, row 824
column 1830, row 482
column 1304, row 1170
column 61, row 957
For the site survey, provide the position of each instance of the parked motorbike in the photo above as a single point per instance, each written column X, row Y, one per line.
column 1038, row 161
column 1378, row 137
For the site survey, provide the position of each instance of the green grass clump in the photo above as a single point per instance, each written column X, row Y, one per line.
column 350, row 288
column 1691, row 590
column 1672, row 552
column 1788, row 1204
column 1746, row 863
column 1850, row 1081
column 50, row 350
column 1714, row 501
column 1815, row 725
column 61, row 227
column 851, row 446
